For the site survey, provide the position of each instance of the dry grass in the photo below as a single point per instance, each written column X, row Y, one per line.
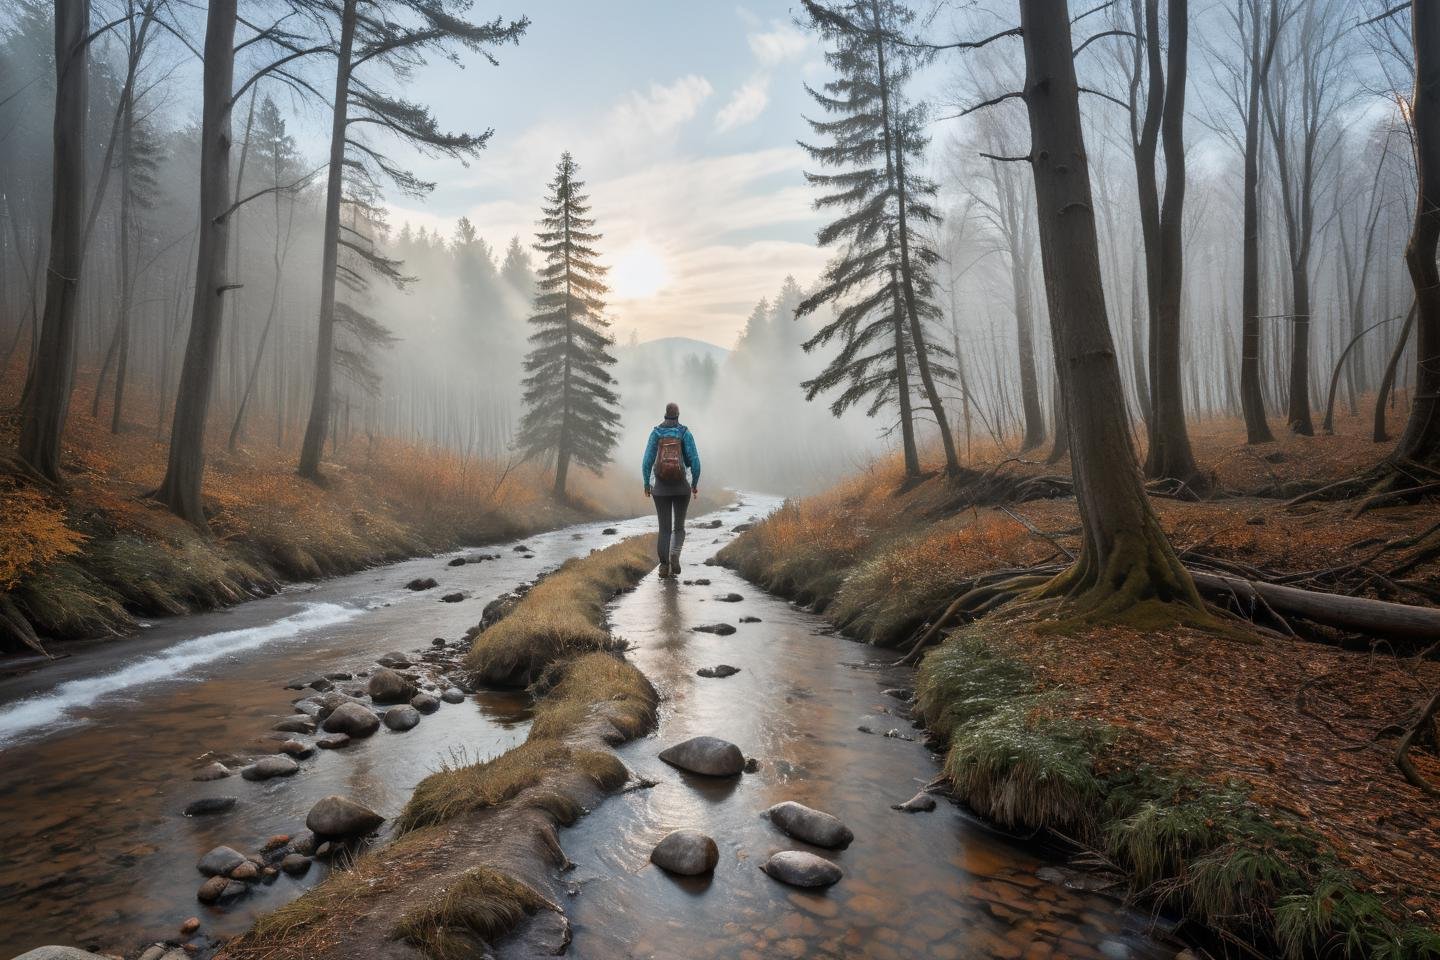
column 576, row 687
column 81, row 561
column 477, row 907
column 562, row 617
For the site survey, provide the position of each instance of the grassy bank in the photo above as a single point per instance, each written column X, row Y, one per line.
column 476, row 844
column 1246, row 781
column 90, row 558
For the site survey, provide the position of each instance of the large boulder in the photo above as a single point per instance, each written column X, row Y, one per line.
column 267, row 767
column 387, row 686
column 336, row 816
column 402, row 718
column 686, row 852
column 352, row 719
column 710, row 756
column 801, row 869
column 811, row 825
column 220, row 861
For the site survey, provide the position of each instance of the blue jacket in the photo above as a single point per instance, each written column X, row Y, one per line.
column 670, row 428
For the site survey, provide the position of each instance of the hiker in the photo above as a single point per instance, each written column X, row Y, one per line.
column 670, row 451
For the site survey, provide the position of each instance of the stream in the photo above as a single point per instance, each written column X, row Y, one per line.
column 98, row 752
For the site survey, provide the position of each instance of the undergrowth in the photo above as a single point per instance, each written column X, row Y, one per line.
column 1204, row 849
column 476, row 908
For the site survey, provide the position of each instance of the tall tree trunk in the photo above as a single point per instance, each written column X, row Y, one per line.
column 1252, row 397
column 1025, row 344
column 1137, row 343
column 1420, row 440
column 1124, row 557
column 127, row 277
column 184, row 473
column 1169, row 455
column 902, row 383
column 895, row 167
column 1387, row 381
column 47, row 389
column 313, row 445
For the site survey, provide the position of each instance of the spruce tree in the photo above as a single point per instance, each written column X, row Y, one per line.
column 880, row 281
column 571, row 411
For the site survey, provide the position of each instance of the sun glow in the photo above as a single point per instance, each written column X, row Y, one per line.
column 638, row 272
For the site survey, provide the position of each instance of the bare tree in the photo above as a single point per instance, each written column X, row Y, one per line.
column 47, row 390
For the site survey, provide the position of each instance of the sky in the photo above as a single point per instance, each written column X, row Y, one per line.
column 683, row 117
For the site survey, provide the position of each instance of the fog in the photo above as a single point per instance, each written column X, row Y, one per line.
column 431, row 337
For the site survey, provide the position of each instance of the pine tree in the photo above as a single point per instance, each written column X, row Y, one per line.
column 517, row 271
column 881, row 280
column 571, row 412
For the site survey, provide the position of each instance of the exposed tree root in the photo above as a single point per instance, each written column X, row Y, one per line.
column 1419, row 728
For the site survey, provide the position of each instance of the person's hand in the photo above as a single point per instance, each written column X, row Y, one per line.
column 694, row 492
column 647, row 491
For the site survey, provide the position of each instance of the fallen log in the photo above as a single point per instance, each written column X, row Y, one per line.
column 1379, row 618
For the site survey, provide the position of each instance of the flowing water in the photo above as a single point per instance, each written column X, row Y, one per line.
column 97, row 754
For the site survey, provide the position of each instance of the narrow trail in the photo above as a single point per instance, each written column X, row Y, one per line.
column 937, row 885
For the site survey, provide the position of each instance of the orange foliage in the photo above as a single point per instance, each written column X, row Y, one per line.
column 33, row 532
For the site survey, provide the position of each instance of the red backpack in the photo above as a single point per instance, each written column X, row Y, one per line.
column 670, row 463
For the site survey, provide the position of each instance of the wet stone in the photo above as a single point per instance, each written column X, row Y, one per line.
column 296, row 749
column 922, row 802
column 220, row 890
column 453, row 695
column 337, row 816
column 352, row 719
column 295, row 864
column 275, row 843
column 456, row 562
column 425, row 703
column 718, row 671
column 220, row 861
column 709, row 756
column 402, row 718
column 719, row 629
column 333, row 741
column 422, row 583
column 206, row 806
column 212, row 771
column 296, row 724
column 395, row 660
column 801, row 869
column 609, row 532
column 810, row 825
column 729, row 597
column 749, row 619
column 387, row 686
column 452, row 598
column 339, row 675
column 268, row 767
column 686, row 852
column 246, row 872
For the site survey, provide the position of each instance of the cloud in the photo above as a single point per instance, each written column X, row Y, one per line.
column 662, row 107
column 745, row 106
column 781, row 42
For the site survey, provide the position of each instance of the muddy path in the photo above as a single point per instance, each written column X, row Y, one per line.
column 98, row 750
column 937, row 884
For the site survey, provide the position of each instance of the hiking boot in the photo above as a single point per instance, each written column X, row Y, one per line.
column 674, row 564
column 665, row 573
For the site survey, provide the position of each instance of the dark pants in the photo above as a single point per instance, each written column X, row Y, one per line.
column 671, row 511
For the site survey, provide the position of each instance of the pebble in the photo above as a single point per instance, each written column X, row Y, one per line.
column 295, row 864
column 220, row 890
column 275, row 843
column 247, row 871
column 189, row 926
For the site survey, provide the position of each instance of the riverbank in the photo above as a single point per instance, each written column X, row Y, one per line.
column 1247, row 781
column 476, row 843
column 92, row 559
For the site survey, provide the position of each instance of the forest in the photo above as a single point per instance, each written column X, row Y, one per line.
column 1079, row 362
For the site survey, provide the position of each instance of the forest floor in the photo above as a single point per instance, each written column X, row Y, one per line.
column 86, row 560
column 1247, row 778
